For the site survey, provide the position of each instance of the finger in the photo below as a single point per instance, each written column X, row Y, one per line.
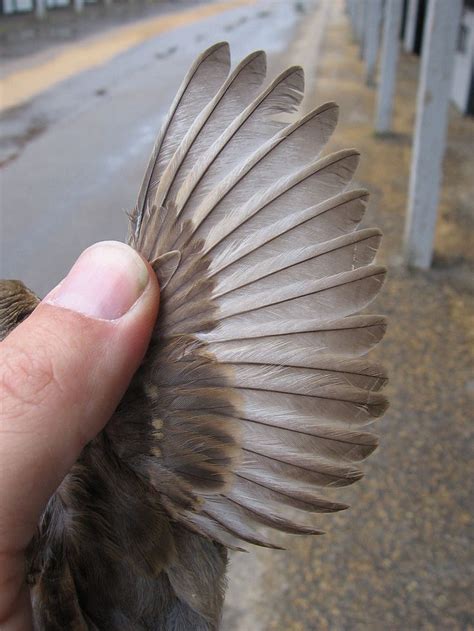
column 63, row 371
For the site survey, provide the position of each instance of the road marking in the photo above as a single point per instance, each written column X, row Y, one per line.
column 20, row 86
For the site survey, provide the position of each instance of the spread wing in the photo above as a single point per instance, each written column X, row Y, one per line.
column 255, row 378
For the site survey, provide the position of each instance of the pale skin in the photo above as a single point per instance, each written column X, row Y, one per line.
column 63, row 371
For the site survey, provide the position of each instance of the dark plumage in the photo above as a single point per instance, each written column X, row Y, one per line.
column 16, row 304
column 253, row 392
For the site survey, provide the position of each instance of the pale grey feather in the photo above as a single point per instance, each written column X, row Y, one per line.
column 290, row 149
column 200, row 84
column 258, row 383
column 243, row 136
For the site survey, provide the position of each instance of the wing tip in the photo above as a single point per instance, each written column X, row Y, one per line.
column 222, row 47
column 214, row 47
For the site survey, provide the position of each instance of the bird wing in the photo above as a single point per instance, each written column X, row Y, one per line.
column 256, row 384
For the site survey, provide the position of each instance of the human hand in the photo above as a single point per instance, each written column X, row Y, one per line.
column 63, row 372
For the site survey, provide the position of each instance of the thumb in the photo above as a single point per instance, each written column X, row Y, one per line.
column 63, row 371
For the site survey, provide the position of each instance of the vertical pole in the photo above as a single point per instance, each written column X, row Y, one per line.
column 410, row 26
column 352, row 12
column 372, row 38
column 78, row 6
column 388, row 65
column 360, row 25
column 439, row 40
column 40, row 9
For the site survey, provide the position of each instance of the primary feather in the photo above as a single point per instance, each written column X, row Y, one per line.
column 253, row 394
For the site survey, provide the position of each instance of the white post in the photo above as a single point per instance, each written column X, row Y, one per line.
column 352, row 12
column 373, row 16
column 388, row 65
column 410, row 26
column 439, row 41
column 78, row 6
column 40, row 9
column 360, row 26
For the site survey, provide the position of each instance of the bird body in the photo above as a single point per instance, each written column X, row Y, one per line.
column 254, row 392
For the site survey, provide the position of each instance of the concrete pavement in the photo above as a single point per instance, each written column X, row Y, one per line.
column 42, row 71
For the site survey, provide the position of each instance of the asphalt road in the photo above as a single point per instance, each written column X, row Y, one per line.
column 74, row 155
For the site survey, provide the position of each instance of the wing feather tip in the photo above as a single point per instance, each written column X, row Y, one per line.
column 214, row 47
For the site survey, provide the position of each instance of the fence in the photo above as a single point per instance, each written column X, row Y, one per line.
column 443, row 32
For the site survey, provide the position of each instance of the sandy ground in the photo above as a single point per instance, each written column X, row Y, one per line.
column 401, row 558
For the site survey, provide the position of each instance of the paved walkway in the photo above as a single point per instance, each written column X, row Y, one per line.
column 45, row 70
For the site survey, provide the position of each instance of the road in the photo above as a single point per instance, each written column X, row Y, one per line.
column 73, row 156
